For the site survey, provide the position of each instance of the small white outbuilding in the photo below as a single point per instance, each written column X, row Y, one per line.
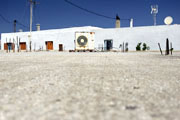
column 107, row 39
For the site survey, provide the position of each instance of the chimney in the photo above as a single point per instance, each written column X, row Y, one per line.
column 15, row 21
column 20, row 30
column 117, row 21
column 131, row 22
column 38, row 27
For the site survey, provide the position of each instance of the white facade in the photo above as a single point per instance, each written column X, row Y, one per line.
column 151, row 35
column 58, row 36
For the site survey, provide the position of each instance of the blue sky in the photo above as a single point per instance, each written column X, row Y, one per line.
column 52, row 14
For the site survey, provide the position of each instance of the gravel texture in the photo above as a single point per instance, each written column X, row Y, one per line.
column 89, row 86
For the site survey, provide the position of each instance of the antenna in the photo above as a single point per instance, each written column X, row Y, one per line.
column 154, row 12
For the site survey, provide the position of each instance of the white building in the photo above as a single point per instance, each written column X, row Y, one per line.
column 103, row 38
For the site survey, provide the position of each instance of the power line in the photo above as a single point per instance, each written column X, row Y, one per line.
column 11, row 22
column 22, row 25
column 3, row 18
column 24, row 14
column 77, row 6
column 95, row 13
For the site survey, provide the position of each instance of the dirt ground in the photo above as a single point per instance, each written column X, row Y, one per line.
column 89, row 86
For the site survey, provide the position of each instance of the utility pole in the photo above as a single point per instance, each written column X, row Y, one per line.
column 32, row 3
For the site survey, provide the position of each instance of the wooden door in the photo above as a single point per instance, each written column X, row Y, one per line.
column 9, row 46
column 23, row 45
column 49, row 45
column 5, row 46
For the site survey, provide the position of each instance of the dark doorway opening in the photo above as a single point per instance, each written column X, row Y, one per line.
column 60, row 47
column 108, row 45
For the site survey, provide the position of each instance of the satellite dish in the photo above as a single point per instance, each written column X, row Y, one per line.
column 168, row 20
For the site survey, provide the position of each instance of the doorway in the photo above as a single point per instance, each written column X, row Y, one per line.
column 8, row 46
column 49, row 45
column 108, row 45
column 5, row 46
column 60, row 47
column 22, row 45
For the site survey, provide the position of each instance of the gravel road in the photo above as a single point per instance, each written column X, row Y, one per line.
column 89, row 86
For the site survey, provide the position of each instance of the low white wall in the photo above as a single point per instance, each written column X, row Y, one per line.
column 58, row 36
column 151, row 35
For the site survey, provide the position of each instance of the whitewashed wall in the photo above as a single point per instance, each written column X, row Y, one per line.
column 58, row 36
column 151, row 35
